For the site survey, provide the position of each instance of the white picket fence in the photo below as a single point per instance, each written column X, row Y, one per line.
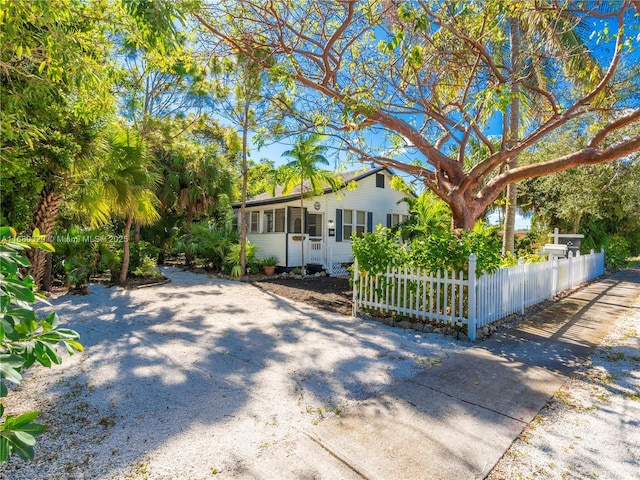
column 455, row 300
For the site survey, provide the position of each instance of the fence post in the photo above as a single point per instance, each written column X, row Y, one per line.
column 523, row 278
column 571, row 259
column 356, row 275
column 471, row 322
column 555, row 272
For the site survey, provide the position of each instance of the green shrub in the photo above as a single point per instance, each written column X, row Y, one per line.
column 378, row 250
column 444, row 251
column 532, row 242
column 142, row 252
column 211, row 242
column 147, row 267
column 25, row 339
column 79, row 252
column 616, row 252
column 510, row 260
column 232, row 259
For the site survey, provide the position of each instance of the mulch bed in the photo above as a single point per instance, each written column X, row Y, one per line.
column 327, row 293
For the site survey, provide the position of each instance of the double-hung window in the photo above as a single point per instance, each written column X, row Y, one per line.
column 353, row 221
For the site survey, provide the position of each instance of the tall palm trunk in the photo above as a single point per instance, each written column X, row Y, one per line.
column 126, row 251
column 44, row 220
column 136, row 233
column 508, row 239
column 245, row 179
column 302, row 226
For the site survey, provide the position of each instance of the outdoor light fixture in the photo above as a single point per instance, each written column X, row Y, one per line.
column 331, row 228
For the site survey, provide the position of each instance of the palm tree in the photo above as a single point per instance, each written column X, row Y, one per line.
column 304, row 173
column 196, row 176
column 428, row 215
column 126, row 189
column 561, row 36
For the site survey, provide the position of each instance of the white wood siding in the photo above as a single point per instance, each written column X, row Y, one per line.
column 270, row 244
column 367, row 198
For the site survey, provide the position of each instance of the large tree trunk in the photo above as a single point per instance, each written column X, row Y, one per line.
column 126, row 253
column 508, row 239
column 44, row 220
column 464, row 213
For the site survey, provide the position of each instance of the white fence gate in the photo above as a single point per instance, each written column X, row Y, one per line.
column 476, row 302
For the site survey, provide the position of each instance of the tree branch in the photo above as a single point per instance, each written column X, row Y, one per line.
column 586, row 156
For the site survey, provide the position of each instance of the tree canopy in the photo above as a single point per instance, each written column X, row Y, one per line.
column 425, row 79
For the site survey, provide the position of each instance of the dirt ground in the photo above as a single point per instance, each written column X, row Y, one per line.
column 327, row 293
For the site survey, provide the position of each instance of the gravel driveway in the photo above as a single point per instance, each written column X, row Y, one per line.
column 198, row 376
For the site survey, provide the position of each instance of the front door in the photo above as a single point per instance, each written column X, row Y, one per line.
column 315, row 244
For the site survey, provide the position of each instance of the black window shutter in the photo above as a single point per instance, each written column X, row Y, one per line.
column 369, row 222
column 306, row 221
column 388, row 220
column 338, row 225
column 380, row 180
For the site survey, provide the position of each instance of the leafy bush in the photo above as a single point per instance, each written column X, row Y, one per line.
column 378, row 250
column 444, row 251
column 616, row 252
column 532, row 242
column 510, row 260
column 143, row 252
column 232, row 259
column 147, row 267
column 25, row 339
column 211, row 242
column 77, row 254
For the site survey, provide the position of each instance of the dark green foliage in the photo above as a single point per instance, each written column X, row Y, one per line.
column 232, row 259
column 597, row 201
column 82, row 253
column 210, row 242
column 141, row 253
column 531, row 243
column 617, row 250
column 25, row 338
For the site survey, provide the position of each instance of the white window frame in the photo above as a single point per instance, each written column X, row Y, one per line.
column 268, row 226
column 253, row 227
column 354, row 225
column 283, row 212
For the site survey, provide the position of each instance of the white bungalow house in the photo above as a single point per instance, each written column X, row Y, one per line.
column 273, row 222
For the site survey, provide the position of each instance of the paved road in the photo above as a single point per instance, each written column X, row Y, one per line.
column 456, row 420
column 202, row 376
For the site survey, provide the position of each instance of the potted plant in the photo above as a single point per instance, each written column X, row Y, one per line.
column 269, row 265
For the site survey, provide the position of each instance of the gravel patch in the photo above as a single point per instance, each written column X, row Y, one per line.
column 591, row 427
column 196, row 377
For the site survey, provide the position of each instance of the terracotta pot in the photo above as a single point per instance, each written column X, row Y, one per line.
column 269, row 270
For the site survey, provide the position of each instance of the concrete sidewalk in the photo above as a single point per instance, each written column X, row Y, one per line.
column 457, row 419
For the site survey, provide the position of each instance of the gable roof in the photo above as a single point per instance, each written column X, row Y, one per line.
column 266, row 198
